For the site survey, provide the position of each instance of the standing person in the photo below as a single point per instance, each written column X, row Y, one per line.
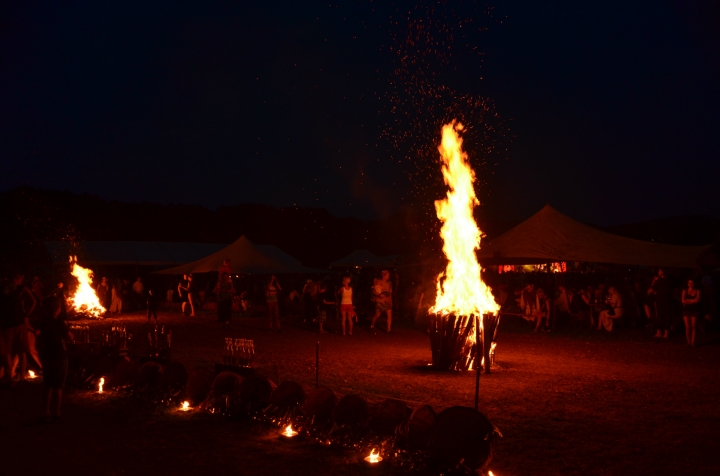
column 191, row 292
column 6, row 325
column 542, row 310
column 60, row 294
column 614, row 310
column 102, row 292
column 225, row 290
column 326, row 305
column 382, row 295
column 53, row 333
column 308, row 301
column 116, row 304
column 151, row 302
column 661, row 295
column 691, row 309
column 346, row 305
column 31, row 322
column 23, row 304
column 271, row 298
column 138, row 289
column 182, row 288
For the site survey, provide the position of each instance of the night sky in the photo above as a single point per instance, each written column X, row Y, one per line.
column 608, row 110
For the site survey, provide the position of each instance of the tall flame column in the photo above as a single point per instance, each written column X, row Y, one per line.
column 462, row 297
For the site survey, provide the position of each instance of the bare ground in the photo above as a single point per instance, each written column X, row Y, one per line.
column 579, row 403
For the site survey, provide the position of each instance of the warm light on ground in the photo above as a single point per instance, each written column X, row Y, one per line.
column 373, row 457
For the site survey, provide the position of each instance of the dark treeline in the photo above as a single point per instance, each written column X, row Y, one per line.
column 29, row 217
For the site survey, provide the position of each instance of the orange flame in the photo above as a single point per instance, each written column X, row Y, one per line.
column 460, row 289
column 85, row 300
column 373, row 457
column 185, row 406
column 100, row 384
column 289, row 432
column 31, row 374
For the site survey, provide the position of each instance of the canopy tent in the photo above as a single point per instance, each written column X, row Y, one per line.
column 245, row 258
column 362, row 258
column 143, row 253
column 550, row 236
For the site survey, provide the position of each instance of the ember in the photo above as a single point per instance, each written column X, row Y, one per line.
column 85, row 300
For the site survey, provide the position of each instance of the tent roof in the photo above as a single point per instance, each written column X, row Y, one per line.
column 551, row 236
column 362, row 258
column 245, row 258
column 153, row 253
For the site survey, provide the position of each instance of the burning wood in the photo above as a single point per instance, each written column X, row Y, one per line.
column 85, row 300
column 462, row 297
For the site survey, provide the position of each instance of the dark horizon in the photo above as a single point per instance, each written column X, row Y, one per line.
column 607, row 111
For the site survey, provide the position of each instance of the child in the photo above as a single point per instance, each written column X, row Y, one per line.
column 53, row 334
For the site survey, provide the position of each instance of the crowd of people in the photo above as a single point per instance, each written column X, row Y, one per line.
column 659, row 303
column 32, row 326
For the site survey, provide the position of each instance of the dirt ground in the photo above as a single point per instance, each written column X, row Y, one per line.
column 571, row 403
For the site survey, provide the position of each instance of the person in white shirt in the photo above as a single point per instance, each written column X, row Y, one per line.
column 347, row 313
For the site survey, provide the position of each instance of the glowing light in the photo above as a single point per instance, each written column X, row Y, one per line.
column 289, row 432
column 460, row 289
column 100, row 384
column 31, row 374
column 185, row 406
column 373, row 457
column 85, row 300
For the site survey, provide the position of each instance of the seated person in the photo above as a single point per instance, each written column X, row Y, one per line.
column 613, row 311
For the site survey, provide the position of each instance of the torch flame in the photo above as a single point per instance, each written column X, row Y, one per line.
column 185, row 406
column 100, row 384
column 460, row 289
column 31, row 374
column 373, row 457
column 289, row 431
column 85, row 300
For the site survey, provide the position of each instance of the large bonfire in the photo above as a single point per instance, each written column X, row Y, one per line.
column 460, row 289
column 462, row 297
column 85, row 300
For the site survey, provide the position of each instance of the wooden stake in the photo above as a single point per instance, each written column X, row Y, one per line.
column 477, row 361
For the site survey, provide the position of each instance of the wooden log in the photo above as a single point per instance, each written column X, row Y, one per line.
column 149, row 375
column 174, row 376
column 104, row 367
column 418, row 427
column 461, row 435
column 198, row 385
column 255, row 390
column 352, row 411
column 386, row 416
column 288, row 394
column 226, row 383
column 124, row 374
column 319, row 405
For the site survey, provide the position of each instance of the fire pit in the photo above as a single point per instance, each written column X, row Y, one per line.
column 462, row 297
